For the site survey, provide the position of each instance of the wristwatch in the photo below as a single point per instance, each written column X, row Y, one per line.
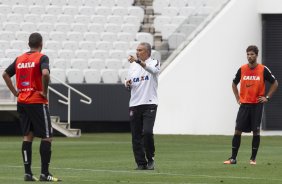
column 138, row 61
column 267, row 97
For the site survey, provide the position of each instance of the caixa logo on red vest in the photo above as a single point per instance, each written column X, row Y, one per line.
column 26, row 65
column 142, row 78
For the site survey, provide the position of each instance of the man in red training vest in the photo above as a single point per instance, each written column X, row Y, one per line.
column 252, row 77
column 32, row 79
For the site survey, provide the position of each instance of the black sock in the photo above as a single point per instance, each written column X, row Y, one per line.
column 45, row 153
column 255, row 146
column 26, row 153
column 235, row 145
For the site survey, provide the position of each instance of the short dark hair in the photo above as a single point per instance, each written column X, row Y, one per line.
column 252, row 48
column 35, row 40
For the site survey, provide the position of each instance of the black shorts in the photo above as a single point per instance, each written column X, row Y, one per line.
column 249, row 117
column 35, row 118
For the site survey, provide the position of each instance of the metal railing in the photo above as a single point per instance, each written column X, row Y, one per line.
column 68, row 97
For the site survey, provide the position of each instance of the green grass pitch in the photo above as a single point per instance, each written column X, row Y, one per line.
column 180, row 159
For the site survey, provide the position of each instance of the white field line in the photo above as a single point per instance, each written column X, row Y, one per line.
column 153, row 173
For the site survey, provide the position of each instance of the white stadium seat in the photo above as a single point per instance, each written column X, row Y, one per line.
column 74, row 76
column 105, row 36
column 126, row 37
column 175, row 40
column 5, row 62
column 22, row 35
column 12, row 53
column 130, row 28
column 79, row 27
column 122, row 74
column 133, row 45
column 59, row 63
column 52, row 54
column 74, row 36
column 102, row 10
column 145, row 37
column 79, row 64
column 58, row 36
column 41, row 2
column 96, row 64
column 97, row 28
column 115, row 19
column 32, row 18
column 58, row 2
column 7, row 35
column 107, row 3
column 36, row 9
column 170, row 11
column 83, row 54
column 67, row 55
column 104, row 45
column 84, row 19
column 20, row 45
column 76, row 3
column 109, row 76
column 11, row 26
column 131, row 20
column 21, row 9
column 3, row 18
column 117, row 54
column 120, row 11
column 63, row 27
column 113, row 64
column 28, row 27
column 15, row 17
column 87, row 45
column 86, row 10
column 70, row 10
column 53, row 10
column 70, row 45
column 156, row 55
column 51, row 44
column 62, row 18
column 120, row 45
column 158, row 5
column 5, row 9
column 92, row 76
column 178, row 3
column 112, row 28
column 160, row 21
column 124, row 3
column 91, row 36
column 136, row 11
column 100, row 54
column 58, row 73
column 49, row 18
column 99, row 19
column 125, row 64
column 187, row 11
column 4, row 44
column 46, row 27
column 91, row 3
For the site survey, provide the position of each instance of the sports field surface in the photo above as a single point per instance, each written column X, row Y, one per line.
column 108, row 159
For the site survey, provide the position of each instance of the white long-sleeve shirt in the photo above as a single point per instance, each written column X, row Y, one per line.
column 144, row 82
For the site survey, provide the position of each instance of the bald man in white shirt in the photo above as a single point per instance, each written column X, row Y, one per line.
column 143, row 81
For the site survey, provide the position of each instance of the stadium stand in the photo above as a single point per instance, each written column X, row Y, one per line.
column 96, row 35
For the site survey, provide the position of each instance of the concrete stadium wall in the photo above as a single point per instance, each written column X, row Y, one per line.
column 195, row 89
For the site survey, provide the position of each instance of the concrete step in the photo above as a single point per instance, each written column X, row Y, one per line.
column 64, row 128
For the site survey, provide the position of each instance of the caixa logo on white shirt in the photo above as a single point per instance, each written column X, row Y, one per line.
column 139, row 79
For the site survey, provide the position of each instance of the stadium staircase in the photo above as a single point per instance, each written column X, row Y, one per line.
column 64, row 128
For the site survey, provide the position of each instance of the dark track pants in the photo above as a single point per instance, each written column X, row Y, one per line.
column 142, row 119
